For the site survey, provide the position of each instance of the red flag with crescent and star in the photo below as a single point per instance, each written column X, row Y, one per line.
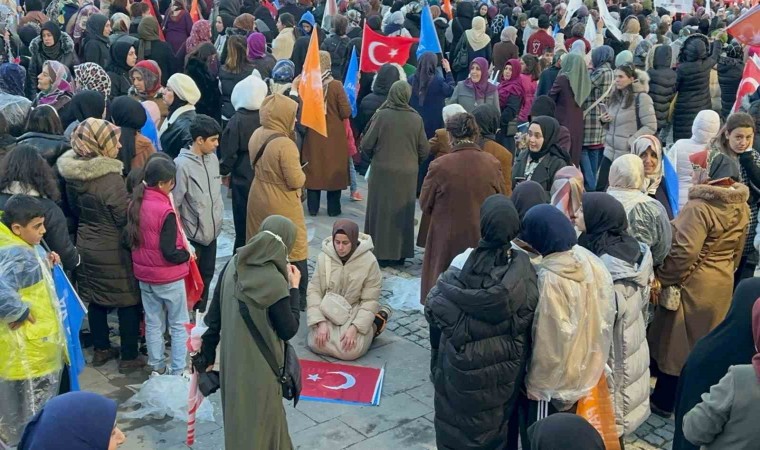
column 378, row 50
column 340, row 383
column 746, row 29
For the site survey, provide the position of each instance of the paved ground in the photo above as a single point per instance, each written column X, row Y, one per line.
column 402, row 421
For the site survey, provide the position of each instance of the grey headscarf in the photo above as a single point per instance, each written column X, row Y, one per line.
column 601, row 55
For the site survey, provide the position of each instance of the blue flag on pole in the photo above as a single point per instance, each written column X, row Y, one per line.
column 351, row 83
column 428, row 36
column 72, row 312
column 276, row 4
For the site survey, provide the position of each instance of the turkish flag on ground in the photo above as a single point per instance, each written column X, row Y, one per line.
column 746, row 29
column 378, row 50
column 341, row 383
column 313, row 113
column 750, row 81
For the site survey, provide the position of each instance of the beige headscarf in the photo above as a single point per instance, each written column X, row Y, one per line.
column 96, row 137
column 477, row 36
column 325, row 64
column 640, row 145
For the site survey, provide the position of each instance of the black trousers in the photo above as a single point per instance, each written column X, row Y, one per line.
column 129, row 328
column 206, row 255
column 527, row 412
column 303, row 267
column 239, row 211
column 664, row 394
column 313, row 198
column 603, row 178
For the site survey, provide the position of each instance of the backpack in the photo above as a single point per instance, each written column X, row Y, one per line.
column 338, row 49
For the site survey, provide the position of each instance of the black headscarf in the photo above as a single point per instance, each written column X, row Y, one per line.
column 499, row 224
column 543, row 105
column 550, row 129
column 723, row 166
column 119, row 52
column 564, row 431
column 128, row 114
column 728, row 344
column 53, row 52
column 85, row 105
column 299, row 53
column 424, row 75
column 528, row 194
column 606, row 225
column 548, row 230
column 96, row 23
column 487, row 116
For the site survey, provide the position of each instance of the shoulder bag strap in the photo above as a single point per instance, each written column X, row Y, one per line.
column 638, row 119
column 599, row 100
column 263, row 149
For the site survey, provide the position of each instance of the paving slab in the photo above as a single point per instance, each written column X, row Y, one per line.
column 415, row 435
column 332, row 434
column 396, row 410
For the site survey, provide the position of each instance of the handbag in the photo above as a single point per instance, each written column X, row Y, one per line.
column 670, row 297
column 334, row 306
column 460, row 62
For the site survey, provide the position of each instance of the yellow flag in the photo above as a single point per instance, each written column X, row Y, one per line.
column 313, row 113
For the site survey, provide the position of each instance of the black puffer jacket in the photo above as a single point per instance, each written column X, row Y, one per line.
column 729, row 75
column 482, row 353
column 662, row 83
column 227, row 82
column 693, row 82
column 463, row 21
column 381, row 85
column 49, row 146
column 210, row 103
column 233, row 146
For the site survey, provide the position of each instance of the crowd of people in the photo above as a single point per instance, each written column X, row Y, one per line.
column 589, row 198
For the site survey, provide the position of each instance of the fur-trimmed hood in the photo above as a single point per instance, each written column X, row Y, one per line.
column 737, row 193
column 67, row 45
column 73, row 167
column 643, row 82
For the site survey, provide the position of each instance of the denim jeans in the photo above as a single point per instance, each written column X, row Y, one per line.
column 590, row 161
column 172, row 298
column 352, row 174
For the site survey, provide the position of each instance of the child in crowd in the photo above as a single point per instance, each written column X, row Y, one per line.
column 198, row 196
column 160, row 262
column 31, row 337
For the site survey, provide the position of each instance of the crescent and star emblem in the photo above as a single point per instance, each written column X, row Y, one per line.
column 349, row 382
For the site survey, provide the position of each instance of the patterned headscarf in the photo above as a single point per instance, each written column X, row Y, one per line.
column 96, row 137
column 567, row 191
column 91, row 76
column 200, row 33
column 60, row 84
column 80, row 20
column 151, row 75
column 12, row 78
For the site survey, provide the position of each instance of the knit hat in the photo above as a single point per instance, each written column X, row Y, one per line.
column 96, row 137
column 283, row 71
column 184, row 87
column 249, row 93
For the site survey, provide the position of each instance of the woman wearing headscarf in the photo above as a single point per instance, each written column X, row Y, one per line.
column 282, row 78
column 260, row 281
column 602, row 83
column 344, row 293
column 693, row 81
column 543, row 157
column 146, row 86
column 527, row 195
column 95, row 41
column 475, row 90
column 181, row 94
column 203, row 67
column 430, row 91
column 462, row 22
column 487, row 118
column 395, row 25
column 511, row 99
column 97, row 198
column 326, row 158
column 572, row 330
column 258, row 56
column 451, row 195
column 177, row 26
column 630, row 114
column 565, row 431
column 381, row 85
column 55, row 86
column 708, row 239
column 129, row 115
column 75, row 420
column 731, row 343
column 395, row 143
column 571, row 89
column 706, row 126
column 631, row 29
column 661, row 179
column 567, row 192
column 475, row 43
column 13, row 101
column 603, row 223
column 199, row 35
column 724, row 418
column 151, row 47
column 77, row 24
column 90, row 76
column 222, row 23
column 123, row 59
column 505, row 50
column 84, row 105
column 481, row 315
column 120, row 23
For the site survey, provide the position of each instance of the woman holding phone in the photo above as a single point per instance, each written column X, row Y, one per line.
column 602, row 85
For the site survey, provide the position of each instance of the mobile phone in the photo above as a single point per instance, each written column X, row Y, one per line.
column 523, row 127
column 519, row 180
column 602, row 108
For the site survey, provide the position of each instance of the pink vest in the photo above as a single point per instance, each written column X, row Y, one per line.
column 148, row 262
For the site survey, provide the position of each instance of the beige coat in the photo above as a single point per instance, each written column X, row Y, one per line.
column 358, row 281
column 282, row 45
column 276, row 187
column 708, row 239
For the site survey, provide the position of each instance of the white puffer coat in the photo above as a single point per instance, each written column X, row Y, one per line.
column 629, row 357
column 705, row 128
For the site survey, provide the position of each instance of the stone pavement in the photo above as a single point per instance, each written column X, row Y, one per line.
column 404, row 419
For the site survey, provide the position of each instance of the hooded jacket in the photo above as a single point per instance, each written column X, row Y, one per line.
column 623, row 129
column 729, row 75
column 705, row 128
column 198, row 196
column 381, row 85
column 693, row 82
column 662, row 83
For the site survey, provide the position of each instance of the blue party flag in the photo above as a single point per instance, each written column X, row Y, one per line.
column 351, row 83
column 555, row 30
column 428, row 36
column 276, row 4
column 72, row 314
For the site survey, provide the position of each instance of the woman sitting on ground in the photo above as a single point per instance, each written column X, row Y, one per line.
column 343, row 310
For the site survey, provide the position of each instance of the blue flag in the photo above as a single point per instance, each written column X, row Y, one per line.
column 72, row 312
column 555, row 30
column 276, row 4
column 351, row 83
column 428, row 36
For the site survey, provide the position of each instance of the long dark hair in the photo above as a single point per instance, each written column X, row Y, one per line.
column 25, row 165
column 236, row 54
column 625, row 96
column 44, row 119
column 532, row 66
column 156, row 170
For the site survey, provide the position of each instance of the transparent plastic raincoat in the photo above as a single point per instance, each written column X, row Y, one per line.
column 572, row 327
column 31, row 356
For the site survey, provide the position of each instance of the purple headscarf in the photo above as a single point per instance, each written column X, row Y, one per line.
column 257, row 46
column 482, row 88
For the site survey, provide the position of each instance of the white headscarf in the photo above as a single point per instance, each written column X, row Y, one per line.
column 641, row 145
column 477, row 36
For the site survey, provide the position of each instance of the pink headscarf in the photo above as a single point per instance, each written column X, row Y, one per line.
column 567, row 191
column 482, row 88
column 200, row 33
column 257, row 46
column 512, row 86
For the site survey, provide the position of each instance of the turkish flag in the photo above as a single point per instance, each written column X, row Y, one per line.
column 746, row 29
column 750, row 81
column 341, row 383
column 378, row 50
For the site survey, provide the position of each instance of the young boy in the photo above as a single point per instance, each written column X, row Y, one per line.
column 198, row 196
column 31, row 336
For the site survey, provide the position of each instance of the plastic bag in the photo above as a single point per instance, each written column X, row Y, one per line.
column 405, row 293
column 166, row 396
column 597, row 409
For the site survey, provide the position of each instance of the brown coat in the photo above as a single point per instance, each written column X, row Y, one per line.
column 327, row 157
column 454, row 188
column 143, row 149
column 708, row 238
column 276, row 187
column 505, row 159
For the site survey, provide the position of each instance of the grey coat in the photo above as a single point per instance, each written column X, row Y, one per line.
column 465, row 96
column 727, row 416
column 198, row 196
column 623, row 129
